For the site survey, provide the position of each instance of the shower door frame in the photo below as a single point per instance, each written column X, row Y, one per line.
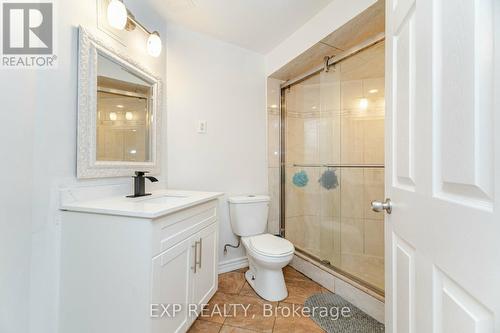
column 329, row 62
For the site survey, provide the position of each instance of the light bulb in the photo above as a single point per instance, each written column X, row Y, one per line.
column 154, row 44
column 363, row 103
column 117, row 14
column 112, row 116
column 129, row 115
column 373, row 91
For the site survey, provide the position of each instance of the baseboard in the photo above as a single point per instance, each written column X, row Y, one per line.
column 233, row 264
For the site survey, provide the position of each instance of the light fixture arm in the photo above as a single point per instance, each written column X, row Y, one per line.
column 135, row 23
column 120, row 17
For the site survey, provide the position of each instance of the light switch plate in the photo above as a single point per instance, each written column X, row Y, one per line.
column 202, row 126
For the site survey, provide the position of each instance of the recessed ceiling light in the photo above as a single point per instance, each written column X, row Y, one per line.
column 274, row 106
column 373, row 91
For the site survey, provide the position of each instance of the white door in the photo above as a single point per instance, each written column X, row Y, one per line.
column 205, row 275
column 171, row 275
column 443, row 166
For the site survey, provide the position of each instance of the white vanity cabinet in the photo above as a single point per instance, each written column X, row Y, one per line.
column 185, row 274
column 137, row 268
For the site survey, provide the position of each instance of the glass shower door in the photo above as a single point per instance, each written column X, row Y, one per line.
column 334, row 166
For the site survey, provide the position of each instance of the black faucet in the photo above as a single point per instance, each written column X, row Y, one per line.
column 139, row 184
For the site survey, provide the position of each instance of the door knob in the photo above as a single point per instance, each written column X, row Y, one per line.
column 378, row 206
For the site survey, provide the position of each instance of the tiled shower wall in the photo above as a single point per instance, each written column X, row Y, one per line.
column 273, row 160
column 327, row 124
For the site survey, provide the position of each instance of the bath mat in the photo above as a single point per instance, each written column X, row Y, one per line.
column 353, row 321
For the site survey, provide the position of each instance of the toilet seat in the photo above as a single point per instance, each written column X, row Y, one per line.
column 269, row 245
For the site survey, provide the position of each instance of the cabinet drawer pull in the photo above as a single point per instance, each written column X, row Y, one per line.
column 201, row 251
column 195, row 247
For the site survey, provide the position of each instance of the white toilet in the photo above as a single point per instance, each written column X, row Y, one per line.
column 267, row 254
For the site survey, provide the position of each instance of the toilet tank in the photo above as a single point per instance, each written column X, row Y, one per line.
column 248, row 214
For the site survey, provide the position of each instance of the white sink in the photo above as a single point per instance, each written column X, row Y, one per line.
column 166, row 199
column 160, row 203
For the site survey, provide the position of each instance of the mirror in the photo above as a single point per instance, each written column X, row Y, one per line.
column 123, row 114
column 118, row 113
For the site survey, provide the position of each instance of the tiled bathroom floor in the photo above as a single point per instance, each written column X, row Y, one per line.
column 233, row 289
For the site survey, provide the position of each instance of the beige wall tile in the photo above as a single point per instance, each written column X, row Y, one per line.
column 295, row 230
column 373, row 190
column 294, row 196
column 374, row 237
column 352, row 143
column 330, row 91
column 273, row 92
column 312, row 194
column 352, row 233
column 329, row 138
column 351, row 192
column 311, row 142
column 312, row 232
column 330, row 199
column 351, row 92
column 273, row 140
column 327, row 238
column 294, row 140
column 274, row 205
column 373, row 146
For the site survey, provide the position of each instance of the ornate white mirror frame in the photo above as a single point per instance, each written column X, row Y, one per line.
column 87, row 164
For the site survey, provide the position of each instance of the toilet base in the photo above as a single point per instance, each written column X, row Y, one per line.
column 267, row 283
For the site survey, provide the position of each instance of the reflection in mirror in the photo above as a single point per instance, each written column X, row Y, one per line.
column 123, row 114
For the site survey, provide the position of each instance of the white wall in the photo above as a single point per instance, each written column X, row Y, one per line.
column 224, row 85
column 39, row 117
column 332, row 17
column 16, row 128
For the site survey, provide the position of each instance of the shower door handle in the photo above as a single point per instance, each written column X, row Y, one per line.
column 378, row 206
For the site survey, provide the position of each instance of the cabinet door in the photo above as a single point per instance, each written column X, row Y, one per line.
column 170, row 285
column 205, row 278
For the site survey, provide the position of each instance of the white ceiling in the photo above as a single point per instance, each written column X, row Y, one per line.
column 257, row 25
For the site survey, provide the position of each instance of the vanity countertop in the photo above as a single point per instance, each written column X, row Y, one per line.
column 160, row 203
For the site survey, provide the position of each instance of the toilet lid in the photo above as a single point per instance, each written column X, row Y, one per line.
column 271, row 245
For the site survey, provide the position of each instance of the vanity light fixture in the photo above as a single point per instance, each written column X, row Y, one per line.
column 117, row 14
column 154, row 44
column 129, row 115
column 119, row 17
